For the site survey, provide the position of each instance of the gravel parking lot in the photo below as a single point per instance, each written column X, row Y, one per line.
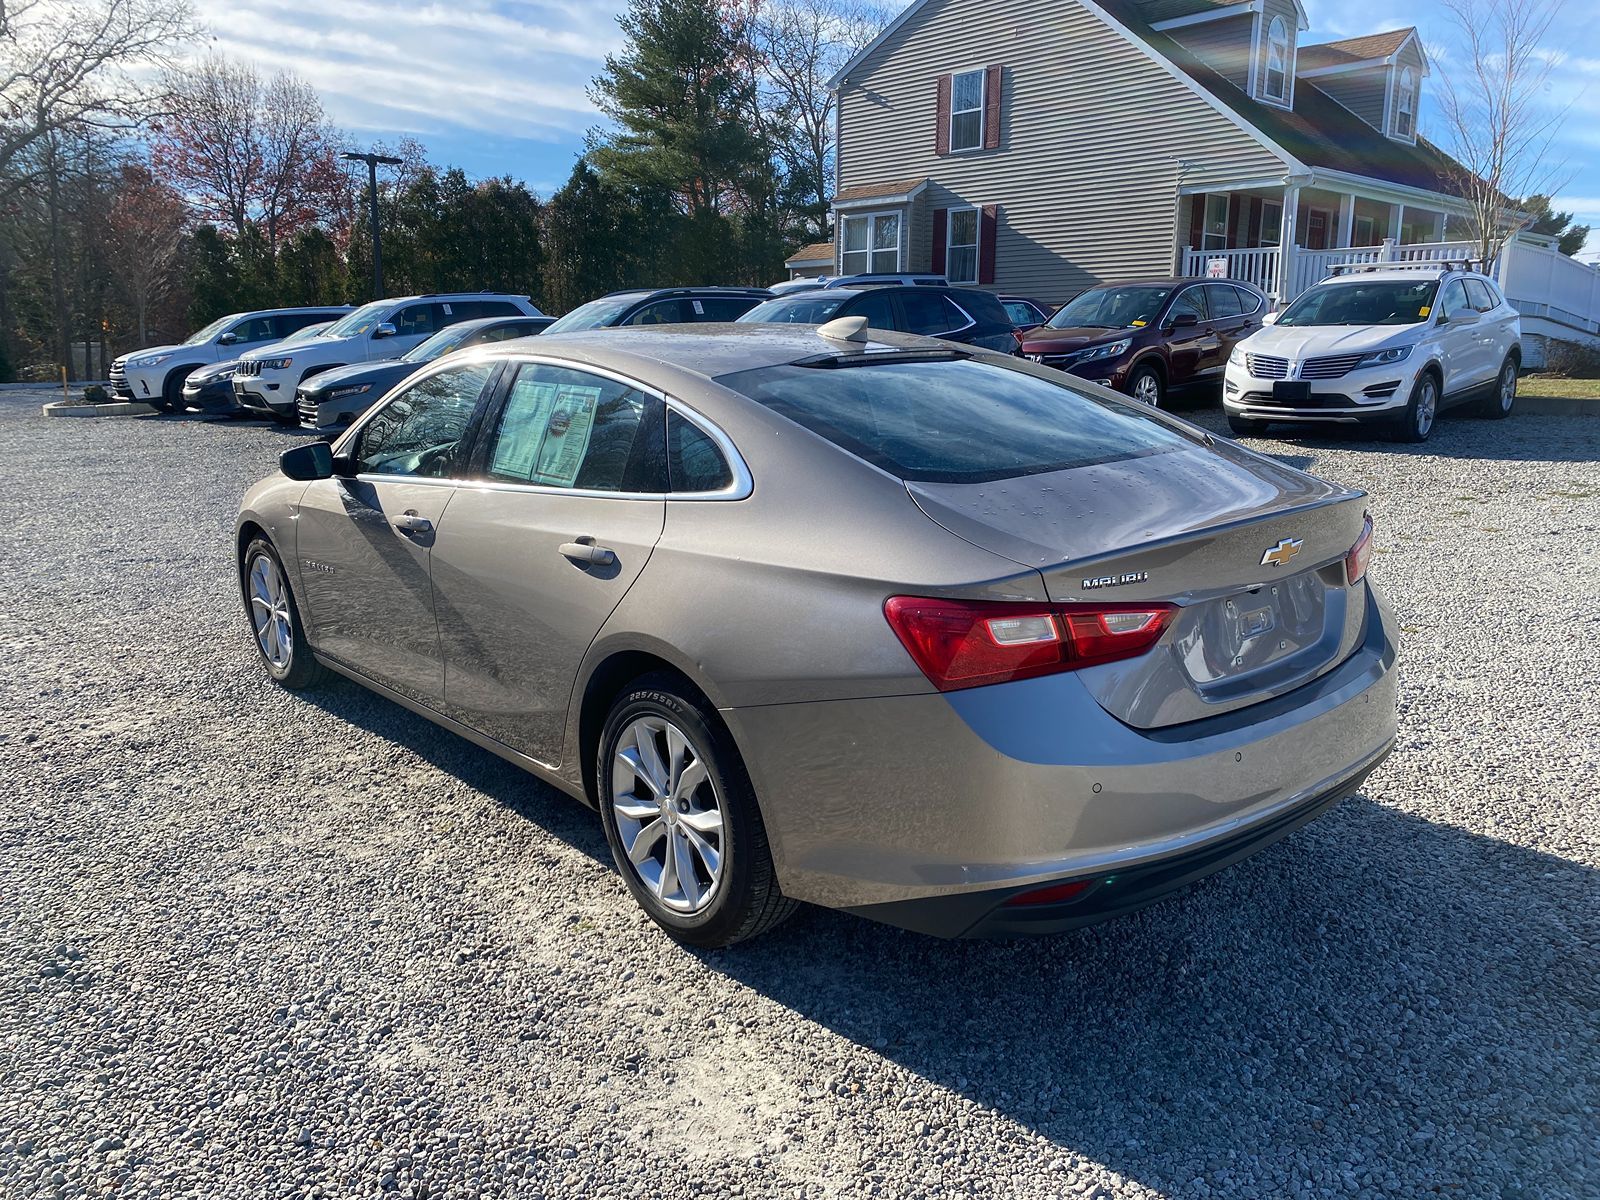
column 258, row 945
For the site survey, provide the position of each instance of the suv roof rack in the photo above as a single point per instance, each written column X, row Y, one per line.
column 427, row 295
column 1443, row 266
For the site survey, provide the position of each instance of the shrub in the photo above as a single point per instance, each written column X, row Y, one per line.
column 95, row 394
column 1571, row 359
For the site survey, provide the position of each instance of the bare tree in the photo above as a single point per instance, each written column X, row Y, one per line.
column 68, row 64
column 144, row 235
column 1498, row 121
column 799, row 46
column 249, row 152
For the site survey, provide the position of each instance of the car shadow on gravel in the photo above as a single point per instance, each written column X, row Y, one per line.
column 1324, row 1010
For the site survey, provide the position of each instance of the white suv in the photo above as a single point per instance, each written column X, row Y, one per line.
column 265, row 381
column 156, row 373
column 1390, row 344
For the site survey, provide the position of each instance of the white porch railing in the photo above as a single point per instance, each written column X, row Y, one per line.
column 1306, row 267
column 1258, row 267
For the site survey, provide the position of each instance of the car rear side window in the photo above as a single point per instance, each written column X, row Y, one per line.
column 721, row 308
column 1222, row 300
column 1478, row 295
column 419, row 432
column 566, row 428
column 930, row 313
column 693, row 461
column 956, row 420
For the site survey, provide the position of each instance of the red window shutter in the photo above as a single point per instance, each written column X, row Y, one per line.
column 1235, row 203
column 991, row 109
column 940, row 228
column 1197, row 220
column 1253, row 233
column 941, row 137
column 988, row 226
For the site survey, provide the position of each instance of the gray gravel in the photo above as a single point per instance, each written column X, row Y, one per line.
column 258, row 945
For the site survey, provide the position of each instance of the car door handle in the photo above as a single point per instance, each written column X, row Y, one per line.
column 410, row 522
column 586, row 552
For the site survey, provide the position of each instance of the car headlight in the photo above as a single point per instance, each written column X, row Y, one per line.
column 354, row 389
column 155, row 360
column 1236, row 358
column 1109, row 350
column 1382, row 358
column 276, row 364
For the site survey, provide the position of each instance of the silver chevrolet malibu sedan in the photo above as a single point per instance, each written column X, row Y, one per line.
column 862, row 620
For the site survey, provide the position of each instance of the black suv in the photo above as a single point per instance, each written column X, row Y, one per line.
column 956, row 314
column 661, row 306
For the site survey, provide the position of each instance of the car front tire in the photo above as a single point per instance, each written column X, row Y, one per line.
column 172, row 392
column 1422, row 413
column 1147, row 387
column 682, row 820
column 275, row 624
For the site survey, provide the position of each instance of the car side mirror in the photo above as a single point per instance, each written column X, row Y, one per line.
column 1270, row 318
column 1183, row 320
column 227, row 339
column 384, row 329
column 313, row 461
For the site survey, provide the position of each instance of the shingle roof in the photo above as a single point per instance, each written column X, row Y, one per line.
column 1351, row 50
column 1156, row 11
column 816, row 252
column 870, row 191
column 1319, row 132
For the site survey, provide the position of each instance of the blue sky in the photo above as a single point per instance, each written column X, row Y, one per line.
column 500, row 86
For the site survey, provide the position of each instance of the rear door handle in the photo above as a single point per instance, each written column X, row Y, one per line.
column 410, row 522
column 584, row 551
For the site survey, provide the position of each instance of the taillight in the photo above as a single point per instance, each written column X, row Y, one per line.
column 1355, row 562
column 969, row 643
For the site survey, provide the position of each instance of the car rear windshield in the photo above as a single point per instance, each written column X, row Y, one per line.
column 1111, row 308
column 956, row 420
column 1363, row 302
column 805, row 309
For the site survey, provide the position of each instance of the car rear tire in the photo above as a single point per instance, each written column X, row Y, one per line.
column 1498, row 404
column 1147, row 387
column 1422, row 413
column 682, row 819
column 1246, row 426
column 275, row 623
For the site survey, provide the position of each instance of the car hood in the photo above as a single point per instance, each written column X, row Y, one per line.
column 1059, row 341
column 213, row 371
column 316, row 345
column 382, row 374
column 134, row 356
column 1297, row 342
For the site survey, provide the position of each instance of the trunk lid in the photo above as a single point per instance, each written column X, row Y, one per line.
column 1193, row 526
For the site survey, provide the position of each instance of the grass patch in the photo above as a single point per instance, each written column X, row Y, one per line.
column 1560, row 387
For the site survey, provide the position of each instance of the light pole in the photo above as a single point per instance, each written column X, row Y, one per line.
column 372, row 161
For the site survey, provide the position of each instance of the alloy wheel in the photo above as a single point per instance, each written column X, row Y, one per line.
column 1508, row 387
column 1147, row 390
column 269, row 611
column 1427, row 406
column 668, row 813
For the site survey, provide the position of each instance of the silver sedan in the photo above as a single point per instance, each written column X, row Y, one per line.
column 931, row 635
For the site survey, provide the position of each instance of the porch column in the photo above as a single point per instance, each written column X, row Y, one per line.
column 1397, row 216
column 1347, row 220
column 1286, row 239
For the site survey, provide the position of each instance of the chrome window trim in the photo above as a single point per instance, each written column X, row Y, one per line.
column 742, row 486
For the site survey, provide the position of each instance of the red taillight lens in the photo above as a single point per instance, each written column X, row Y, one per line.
column 969, row 643
column 1355, row 563
column 1056, row 893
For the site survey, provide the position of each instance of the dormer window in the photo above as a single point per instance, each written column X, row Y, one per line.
column 1405, row 116
column 1276, row 85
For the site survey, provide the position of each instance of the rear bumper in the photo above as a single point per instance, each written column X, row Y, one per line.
column 931, row 811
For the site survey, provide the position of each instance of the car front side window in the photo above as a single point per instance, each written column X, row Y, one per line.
column 1455, row 300
column 420, row 432
column 565, row 428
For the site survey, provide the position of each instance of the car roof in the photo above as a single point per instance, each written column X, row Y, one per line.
column 486, row 322
column 1411, row 273
column 706, row 349
column 708, row 290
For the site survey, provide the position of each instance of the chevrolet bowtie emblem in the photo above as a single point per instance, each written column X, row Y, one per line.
column 1280, row 554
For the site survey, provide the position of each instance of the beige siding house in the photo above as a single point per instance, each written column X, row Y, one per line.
column 1041, row 146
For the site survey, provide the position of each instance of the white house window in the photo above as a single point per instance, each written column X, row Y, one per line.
column 872, row 244
column 1405, row 118
column 961, row 247
column 1277, row 83
column 1271, row 223
column 966, row 111
column 1366, row 232
column 1214, row 233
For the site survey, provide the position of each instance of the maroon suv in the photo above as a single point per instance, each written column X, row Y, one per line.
column 1151, row 336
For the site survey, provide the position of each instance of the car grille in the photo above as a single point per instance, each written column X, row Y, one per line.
column 1334, row 367
column 307, row 407
column 1264, row 366
column 247, row 367
column 119, row 379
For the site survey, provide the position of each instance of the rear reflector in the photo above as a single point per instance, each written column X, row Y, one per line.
column 1056, row 893
column 1355, row 563
column 970, row 643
